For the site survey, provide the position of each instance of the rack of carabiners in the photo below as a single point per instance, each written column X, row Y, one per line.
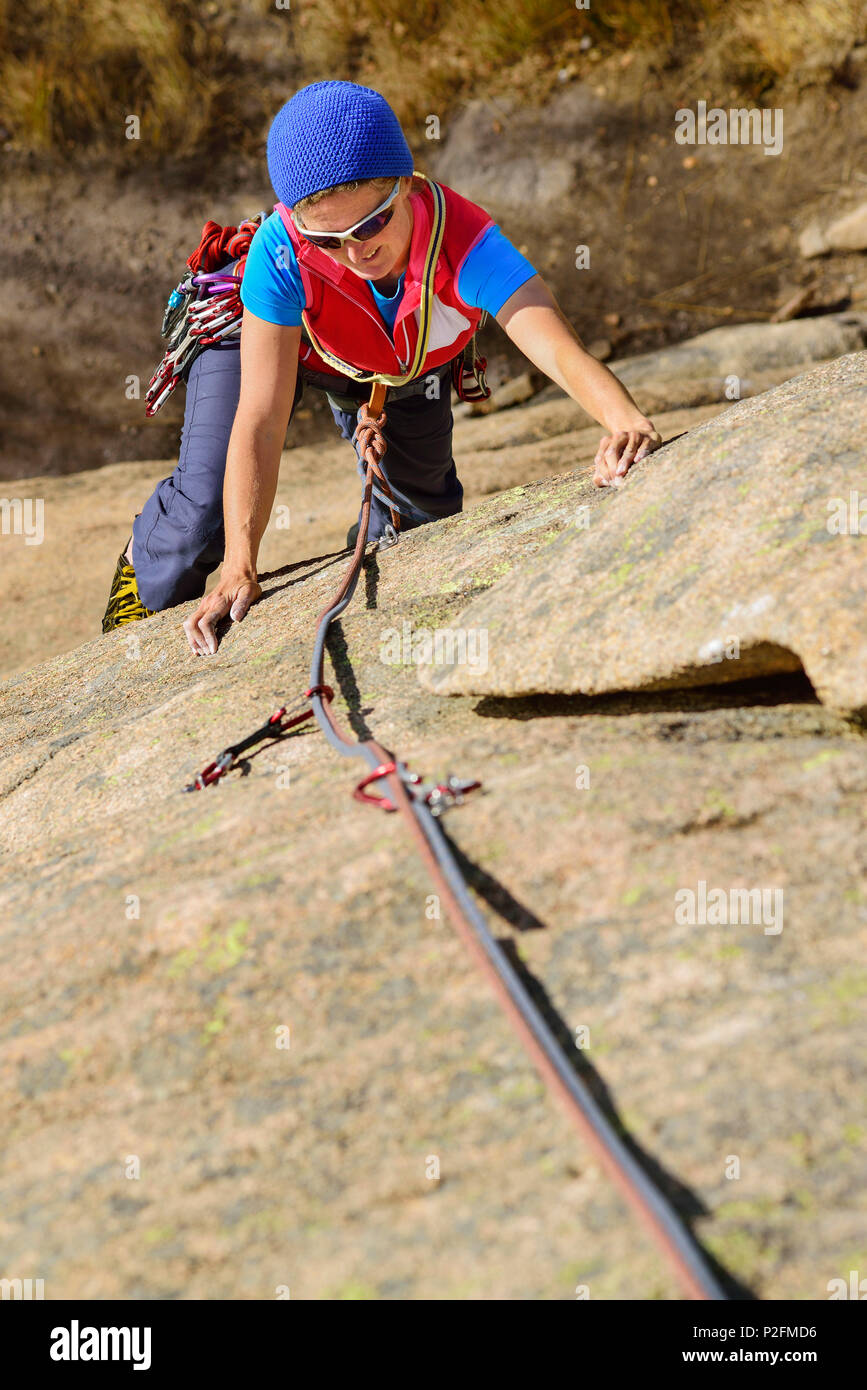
column 204, row 308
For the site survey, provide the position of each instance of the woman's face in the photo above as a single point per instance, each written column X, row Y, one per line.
column 382, row 256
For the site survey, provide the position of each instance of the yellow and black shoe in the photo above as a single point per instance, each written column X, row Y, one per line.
column 124, row 604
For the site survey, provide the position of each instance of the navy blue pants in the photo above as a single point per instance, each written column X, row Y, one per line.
column 178, row 538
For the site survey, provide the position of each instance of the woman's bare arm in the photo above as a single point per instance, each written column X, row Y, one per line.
column 269, row 364
column 536, row 324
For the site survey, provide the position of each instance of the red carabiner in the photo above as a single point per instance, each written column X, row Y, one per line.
column 382, row 801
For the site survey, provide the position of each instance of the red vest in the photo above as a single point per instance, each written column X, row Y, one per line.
column 342, row 312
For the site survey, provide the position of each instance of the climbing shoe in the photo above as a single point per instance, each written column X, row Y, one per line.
column 352, row 536
column 124, row 604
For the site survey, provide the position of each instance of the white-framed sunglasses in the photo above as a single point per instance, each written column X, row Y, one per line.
column 369, row 226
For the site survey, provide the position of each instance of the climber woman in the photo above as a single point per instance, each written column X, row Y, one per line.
column 355, row 249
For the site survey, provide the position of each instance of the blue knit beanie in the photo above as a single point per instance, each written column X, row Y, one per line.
column 330, row 133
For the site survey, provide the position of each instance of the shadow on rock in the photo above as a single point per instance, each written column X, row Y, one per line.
column 790, row 689
column 684, row 1201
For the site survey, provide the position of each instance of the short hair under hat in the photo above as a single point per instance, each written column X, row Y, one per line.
column 330, row 133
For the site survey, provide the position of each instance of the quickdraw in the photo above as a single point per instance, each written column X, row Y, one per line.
column 439, row 796
column 280, row 721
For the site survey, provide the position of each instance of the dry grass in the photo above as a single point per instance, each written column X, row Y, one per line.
column 792, row 38
column 71, row 71
column 425, row 55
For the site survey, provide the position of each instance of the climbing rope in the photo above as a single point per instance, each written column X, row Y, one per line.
column 370, row 442
column 421, row 806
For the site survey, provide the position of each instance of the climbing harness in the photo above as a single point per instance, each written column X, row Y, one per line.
column 468, row 369
column 422, row 805
column 425, row 309
column 205, row 307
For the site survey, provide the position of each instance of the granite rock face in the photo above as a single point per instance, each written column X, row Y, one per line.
column 233, row 1033
column 745, row 348
column 739, row 549
column 849, row 232
column 846, row 233
column 471, row 155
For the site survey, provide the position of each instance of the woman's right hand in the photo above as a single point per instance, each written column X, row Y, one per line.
column 269, row 365
column 233, row 595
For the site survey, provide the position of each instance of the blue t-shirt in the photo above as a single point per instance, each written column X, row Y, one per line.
column 272, row 288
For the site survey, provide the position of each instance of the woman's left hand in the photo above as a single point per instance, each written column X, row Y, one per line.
column 619, row 450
